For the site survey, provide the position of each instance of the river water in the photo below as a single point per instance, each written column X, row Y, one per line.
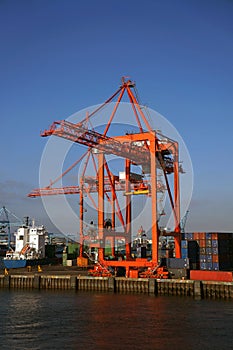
column 31, row 320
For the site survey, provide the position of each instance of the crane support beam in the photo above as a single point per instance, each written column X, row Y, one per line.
column 90, row 187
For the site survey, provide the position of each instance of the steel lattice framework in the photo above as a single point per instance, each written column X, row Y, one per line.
column 144, row 148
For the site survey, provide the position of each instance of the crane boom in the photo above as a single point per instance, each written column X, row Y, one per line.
column 79, row 134
column 137, row 152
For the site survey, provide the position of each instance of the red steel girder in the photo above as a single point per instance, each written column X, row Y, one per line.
column 91, row 187
column 126, row 146
column 79, row 134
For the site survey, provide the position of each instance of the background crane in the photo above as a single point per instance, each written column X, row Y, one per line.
column 8, row 220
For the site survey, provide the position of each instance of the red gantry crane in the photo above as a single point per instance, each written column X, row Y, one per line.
column 145, row 148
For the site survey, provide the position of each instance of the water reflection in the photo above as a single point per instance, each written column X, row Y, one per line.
column 68, row 320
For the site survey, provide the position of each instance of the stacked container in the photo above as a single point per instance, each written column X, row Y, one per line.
column 190, row 250
column 212, row 251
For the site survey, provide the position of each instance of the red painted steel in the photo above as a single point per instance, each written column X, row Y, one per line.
column 143, row 148
column 203, row 275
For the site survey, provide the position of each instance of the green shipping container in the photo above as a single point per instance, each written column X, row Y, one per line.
column 73, row 248
column 64, row 259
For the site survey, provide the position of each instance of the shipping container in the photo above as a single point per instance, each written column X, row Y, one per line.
column 202, row 250
column 214, row 243
column 188, row 236
column 215, row 266
column 213, row 250
column 64, row 259
column 203, row 265
column 208, row 250
column 193, row 251
column 203, row 258
column 214, row 235
column 196, row 236
column 73, row 248
column 82, row 262
column 211, row 276
column 208, row 235
column 133, row 273
column 202, row 243
column 69, row 262
column 184, row 243
column 176, row 263
column 202, row 235
column 184, row 253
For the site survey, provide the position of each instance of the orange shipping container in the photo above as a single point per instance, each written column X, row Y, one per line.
column 205, row 275
column 202, row 243
column 133, row 273
column 214, row 236
column 196, row 235
column 82, row 262
column 202, row 235
column 215, row 258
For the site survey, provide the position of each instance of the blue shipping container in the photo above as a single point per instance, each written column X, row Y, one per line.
column 190, row 235
column 203, row 265
column 184, row 244
column 184, row 253
column 203, row 258
column 214, row 243
column 208, row 235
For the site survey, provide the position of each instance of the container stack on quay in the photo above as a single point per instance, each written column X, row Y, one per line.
column 203, row 252
column 208, row 251
column 210, row 255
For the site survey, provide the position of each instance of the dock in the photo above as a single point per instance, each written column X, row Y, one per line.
column 61, row 278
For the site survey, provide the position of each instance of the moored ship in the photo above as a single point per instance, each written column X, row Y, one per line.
column 29, row 247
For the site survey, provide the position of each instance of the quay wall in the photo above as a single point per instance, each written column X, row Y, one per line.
column 195, row 289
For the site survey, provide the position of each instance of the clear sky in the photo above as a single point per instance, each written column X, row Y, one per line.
column 59, row 56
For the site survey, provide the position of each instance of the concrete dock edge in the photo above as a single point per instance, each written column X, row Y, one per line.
column 196, row 289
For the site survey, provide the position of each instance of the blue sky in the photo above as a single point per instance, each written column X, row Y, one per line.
column 59, row 56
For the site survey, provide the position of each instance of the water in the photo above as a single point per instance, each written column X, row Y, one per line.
column 31, row 320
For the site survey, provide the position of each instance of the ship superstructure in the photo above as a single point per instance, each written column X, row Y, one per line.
column 29, row 245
